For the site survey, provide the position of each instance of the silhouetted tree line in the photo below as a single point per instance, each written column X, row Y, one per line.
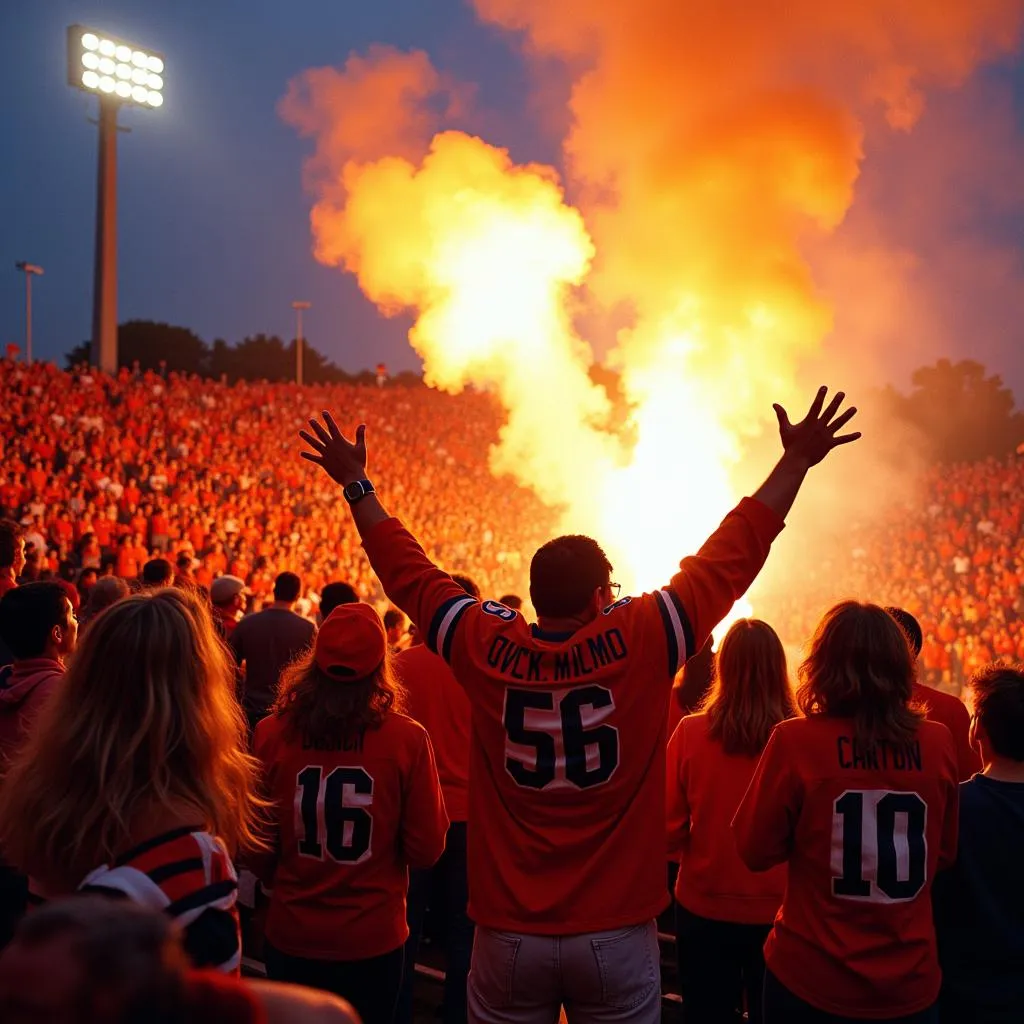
column 258, row 357
column 961, row 412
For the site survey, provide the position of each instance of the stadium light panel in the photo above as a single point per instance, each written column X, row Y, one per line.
column 101, row 63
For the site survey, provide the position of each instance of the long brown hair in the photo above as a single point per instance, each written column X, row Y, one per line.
column 321, row 707
column 144, row 720
column 860, row 666
column 750, row 693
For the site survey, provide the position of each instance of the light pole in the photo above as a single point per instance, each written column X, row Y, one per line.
column 119, row 73
column 30, row 270
column 298, row 307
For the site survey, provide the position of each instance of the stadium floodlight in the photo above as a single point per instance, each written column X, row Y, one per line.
column 98, row 62
column 119, row 73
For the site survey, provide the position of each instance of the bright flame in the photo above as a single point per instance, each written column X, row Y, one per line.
column 704, row 148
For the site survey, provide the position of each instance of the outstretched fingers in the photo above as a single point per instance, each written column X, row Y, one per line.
column 819, row 400
column 843, row 420
column 833, row 406
column 845, row 438
column 314, row 443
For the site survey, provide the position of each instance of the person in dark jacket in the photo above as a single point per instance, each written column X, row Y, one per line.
column 39, row 628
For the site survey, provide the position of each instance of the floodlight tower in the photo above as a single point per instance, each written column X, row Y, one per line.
column 118, row 72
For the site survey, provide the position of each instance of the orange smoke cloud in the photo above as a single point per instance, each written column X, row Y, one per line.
column 708, row 146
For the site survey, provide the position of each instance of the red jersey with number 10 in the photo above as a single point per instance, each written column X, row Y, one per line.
column 864, row 830
column 567, row 763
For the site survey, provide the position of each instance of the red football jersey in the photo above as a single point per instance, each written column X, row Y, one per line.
column 351, row 818
column 951, row 712
column 567, row 763
column 435, row 699
column 705, row 786
column 864, row 831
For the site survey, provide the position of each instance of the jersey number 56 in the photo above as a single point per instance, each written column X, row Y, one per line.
column 555, row 739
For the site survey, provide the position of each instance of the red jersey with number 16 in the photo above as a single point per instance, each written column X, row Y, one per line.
column 352, row 815
column 567, row 762
column 864, row 829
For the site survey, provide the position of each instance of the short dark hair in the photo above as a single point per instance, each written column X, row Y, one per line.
column 334, row 595
column 157, row 572
column 393, row 617
column 468, row 584
column 911, row 628
column 184, row 560
column 287, row 587
column 10, row 534
column 997, row 696
column 513, row 601
column 27, row 616
column 564, row 574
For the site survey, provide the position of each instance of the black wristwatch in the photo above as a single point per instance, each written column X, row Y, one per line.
column 357, row 490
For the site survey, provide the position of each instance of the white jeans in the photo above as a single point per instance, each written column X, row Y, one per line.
column 600, row 977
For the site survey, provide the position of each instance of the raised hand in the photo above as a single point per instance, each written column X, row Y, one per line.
column 810, row 440
column 343, row 460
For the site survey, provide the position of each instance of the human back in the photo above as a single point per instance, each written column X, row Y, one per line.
column 859, row 798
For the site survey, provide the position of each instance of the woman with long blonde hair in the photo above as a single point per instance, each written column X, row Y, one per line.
column 135, row 777
column 723, row 910
column 356, row 803
column 859, row 800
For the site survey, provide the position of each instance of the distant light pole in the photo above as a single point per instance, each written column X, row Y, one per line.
column 30, row 270
column 299, row 307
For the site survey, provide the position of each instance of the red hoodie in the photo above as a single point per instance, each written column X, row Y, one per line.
column 24, row 688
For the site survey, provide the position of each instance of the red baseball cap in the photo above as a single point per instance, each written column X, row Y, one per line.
column 351, row 643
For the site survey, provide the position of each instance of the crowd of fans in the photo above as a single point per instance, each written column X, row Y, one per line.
column 107, row 472
column 158, row 744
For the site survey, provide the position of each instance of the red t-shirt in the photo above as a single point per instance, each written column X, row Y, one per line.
column 950, row 712
column 705, row 786
column 567, row 759
column 435, row 699
column 351, row 818
column 864, row 831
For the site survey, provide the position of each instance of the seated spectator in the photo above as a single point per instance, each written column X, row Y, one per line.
column 39, row 627
column 156, row 573
column 724, row 911
column 87, row 579
column 513, row 601
column 859, row 799
column 435, row 700
column 87, row 959
column 342, row 768
column 266, row 642
column 979, row 902
column 184, row 577
column 12, row 554
column 144, row 788
column 227, row 596
column 334, row 595
column 108, row 590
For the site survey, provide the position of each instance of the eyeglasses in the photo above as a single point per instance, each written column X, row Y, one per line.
column 615, row 588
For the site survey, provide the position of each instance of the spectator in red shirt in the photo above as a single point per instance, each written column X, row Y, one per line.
column 941, row 707
column 859, row 800
column 157, row 573
column 12, row 554
column 228, row 596
column 724, row 911
column 435, row 700
column 356, row 802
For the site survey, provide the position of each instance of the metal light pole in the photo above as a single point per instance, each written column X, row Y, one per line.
column 120, row 74
column 30, row 270
column 299, row 307
column 104, row 289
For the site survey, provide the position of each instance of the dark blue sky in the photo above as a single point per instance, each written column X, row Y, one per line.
column 214, row 221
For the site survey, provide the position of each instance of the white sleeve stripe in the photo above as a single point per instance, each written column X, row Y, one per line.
column 446, row 622
column 677, row 627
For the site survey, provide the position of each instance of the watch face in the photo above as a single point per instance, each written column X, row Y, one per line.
column 353, row 491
